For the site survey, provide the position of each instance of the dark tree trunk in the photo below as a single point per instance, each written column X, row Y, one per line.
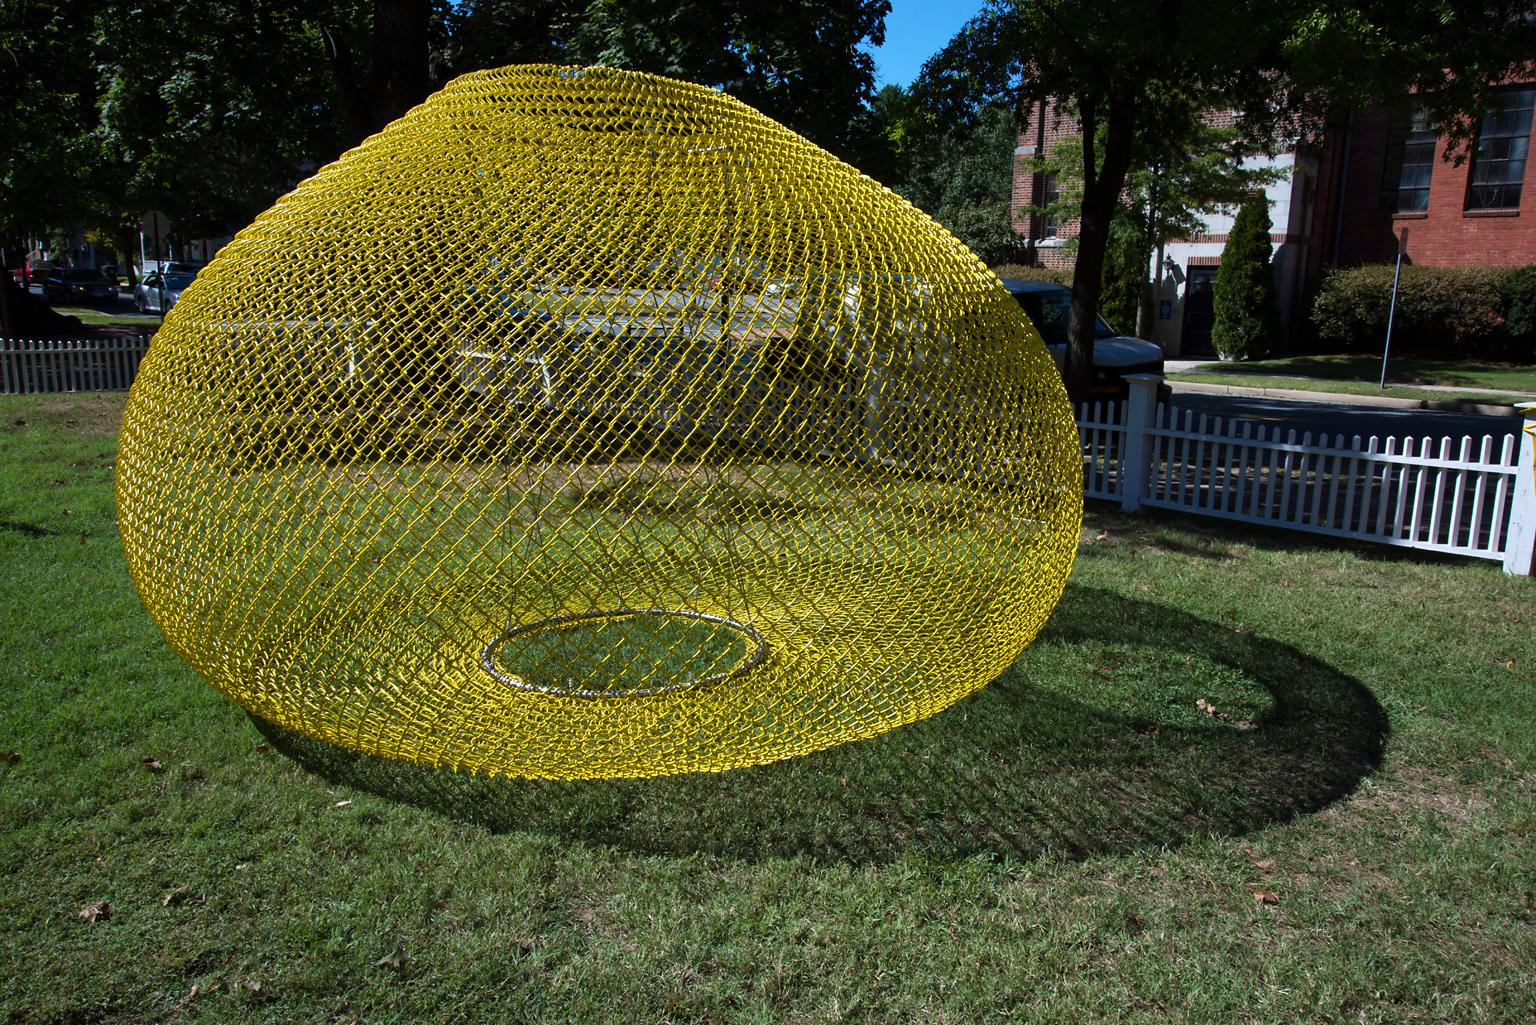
column 1101, row 190
column 359, row 115
column 7, row 317
column 127, row 237
column 400, row 76
column 400, row 57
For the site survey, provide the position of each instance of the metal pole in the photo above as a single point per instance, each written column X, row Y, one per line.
column 1397, row 275
column 160, row 269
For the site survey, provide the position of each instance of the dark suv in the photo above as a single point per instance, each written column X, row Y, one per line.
column 1115, row 355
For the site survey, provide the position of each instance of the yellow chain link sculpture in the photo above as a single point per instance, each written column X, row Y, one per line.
column 585, row 423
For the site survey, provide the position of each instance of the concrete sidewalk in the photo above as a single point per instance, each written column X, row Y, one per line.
column 1174, row 366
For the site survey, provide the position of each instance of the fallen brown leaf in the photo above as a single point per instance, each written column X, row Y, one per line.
column 263, row 748
column 181, row 895
column 394, row 959
column 151, row 763
column 1263, row 864
column 99, row 911
column 1266, row 897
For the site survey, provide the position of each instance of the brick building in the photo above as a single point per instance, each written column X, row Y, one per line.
column 1343, row 200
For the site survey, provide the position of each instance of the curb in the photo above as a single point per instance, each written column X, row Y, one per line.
column 1340, row 399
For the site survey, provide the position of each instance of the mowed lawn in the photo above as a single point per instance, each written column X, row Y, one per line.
column 1242, row 776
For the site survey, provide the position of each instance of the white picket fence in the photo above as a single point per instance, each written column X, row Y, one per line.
column 1467, row 496
column 30, row 365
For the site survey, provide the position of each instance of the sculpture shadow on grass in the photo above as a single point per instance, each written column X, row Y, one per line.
column 1126, row 724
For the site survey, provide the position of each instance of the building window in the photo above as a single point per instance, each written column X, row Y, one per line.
column 1410, row 163
column 1498, row 162
column 1050, row 195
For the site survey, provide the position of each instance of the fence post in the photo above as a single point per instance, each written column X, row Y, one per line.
column 1520, row 541
column 1136, row 457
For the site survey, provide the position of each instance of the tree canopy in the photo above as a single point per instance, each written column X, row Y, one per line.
column 209, row 109
column 1132, row 68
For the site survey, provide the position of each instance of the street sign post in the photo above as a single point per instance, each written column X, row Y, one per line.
column 1402, row 247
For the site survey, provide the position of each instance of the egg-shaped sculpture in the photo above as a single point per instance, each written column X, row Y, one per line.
column 586, row 423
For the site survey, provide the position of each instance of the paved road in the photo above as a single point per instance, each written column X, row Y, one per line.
column 1340, row 418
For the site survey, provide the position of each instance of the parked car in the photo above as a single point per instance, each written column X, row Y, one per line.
column 36, row 272
column 1115, row 355
column 147, row 296
column 77, row 283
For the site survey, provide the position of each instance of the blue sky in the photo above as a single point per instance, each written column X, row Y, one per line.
column 914, row 31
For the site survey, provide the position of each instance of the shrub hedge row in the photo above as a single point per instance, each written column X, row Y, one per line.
column 1487, row 312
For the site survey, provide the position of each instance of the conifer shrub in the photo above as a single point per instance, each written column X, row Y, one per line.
column 1247, row 314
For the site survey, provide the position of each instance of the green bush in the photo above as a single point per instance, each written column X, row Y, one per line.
column 1247, row 316
column 1519, row 292
column 1460, row 311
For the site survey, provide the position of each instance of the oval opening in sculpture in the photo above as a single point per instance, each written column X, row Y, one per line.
column 624, row 653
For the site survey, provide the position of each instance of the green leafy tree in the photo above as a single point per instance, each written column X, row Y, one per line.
column 211, row 137
column 961, row 174
column 798, row 61
column 48, row 79
column 1247, row 316
column 1131, row 66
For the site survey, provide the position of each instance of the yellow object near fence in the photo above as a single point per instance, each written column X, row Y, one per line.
column 587, row 423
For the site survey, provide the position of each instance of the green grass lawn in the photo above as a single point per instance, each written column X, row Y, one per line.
column 110, row 318
column 1243, row 776
column 1361, row 375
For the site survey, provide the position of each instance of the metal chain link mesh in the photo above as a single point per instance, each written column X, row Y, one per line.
column 588, row 423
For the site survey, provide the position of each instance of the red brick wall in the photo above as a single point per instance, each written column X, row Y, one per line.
column 1042, row 132
column 1445, row 235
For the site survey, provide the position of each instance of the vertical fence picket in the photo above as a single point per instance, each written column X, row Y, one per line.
column 1320, row 473
column 1400, row 493
column 1220, row 443
column 1242, row 468
column 1369, row 492
column 1416, row 515
column 1175, row 491
column 1096, row 448
column 1197, row 448
column 1458, row 486
column 1287, row 467
column 1436, row 517
column 1501, row 493
column 1479, row 496
column 1384, row 496
column 1352, row 474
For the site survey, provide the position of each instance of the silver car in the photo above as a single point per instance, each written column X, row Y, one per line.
column 158, row 292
